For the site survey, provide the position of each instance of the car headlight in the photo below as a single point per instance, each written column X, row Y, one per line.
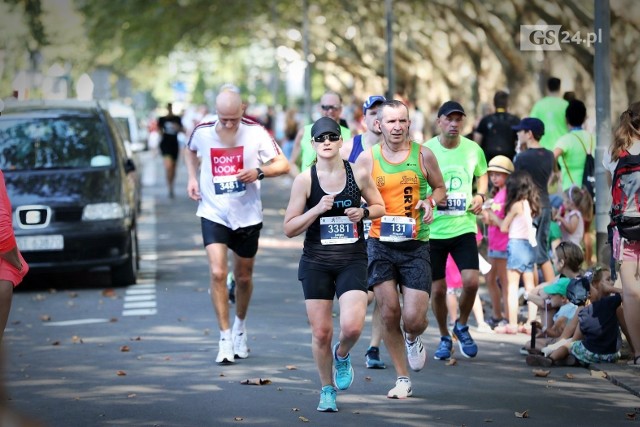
column 102, row 211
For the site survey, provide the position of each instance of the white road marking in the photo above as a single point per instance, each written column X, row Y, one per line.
column 140, row 299
column 76, row 322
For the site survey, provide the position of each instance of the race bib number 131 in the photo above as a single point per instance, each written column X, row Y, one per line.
column 397, row 229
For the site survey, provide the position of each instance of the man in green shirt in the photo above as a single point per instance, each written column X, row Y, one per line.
column 551, row 110
column 454, row 227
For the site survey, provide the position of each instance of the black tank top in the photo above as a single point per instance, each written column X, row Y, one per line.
column 350, row 196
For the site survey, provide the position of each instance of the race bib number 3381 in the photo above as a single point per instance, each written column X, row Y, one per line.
column 337, row 230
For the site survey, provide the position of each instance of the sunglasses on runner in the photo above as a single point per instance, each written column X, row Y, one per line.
column 330, row 107
column 332, row 137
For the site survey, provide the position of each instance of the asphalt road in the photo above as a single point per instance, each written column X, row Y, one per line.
column 82, row 354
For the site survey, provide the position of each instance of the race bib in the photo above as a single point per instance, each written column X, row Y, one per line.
column 337, row 230
column 228, row 185
column 397, row 229
column 225, row 164
column 456, row 204
column 366, row 224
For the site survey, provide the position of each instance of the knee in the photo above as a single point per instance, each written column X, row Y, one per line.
column 415, row 325
column 218, row 276
column 390, row 315
column 351, row 332
column 322, row 336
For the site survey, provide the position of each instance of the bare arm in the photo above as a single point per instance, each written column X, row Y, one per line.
column 296, row 220
column 370, row 194
column 478, row 201
column 516, row 209
column 193, row 163
column 477, row 137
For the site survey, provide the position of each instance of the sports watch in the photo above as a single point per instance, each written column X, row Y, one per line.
column 260, row 174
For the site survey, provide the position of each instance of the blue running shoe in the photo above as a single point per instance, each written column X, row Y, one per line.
column 343, row 371
column 328, row 399
column 444, row 349
column 373, row 358
column 468, row 347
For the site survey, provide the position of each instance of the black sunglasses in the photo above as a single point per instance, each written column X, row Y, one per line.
column 330, row 107
column 331, row 136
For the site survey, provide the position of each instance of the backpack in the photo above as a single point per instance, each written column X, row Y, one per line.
column 579, row 288
column 625, row 196
column 588, row 173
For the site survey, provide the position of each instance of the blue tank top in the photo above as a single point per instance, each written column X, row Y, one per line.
column 356, row 149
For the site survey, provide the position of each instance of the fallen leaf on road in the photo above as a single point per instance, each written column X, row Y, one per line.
column 367, row 378
column 121, row 373
column 295, row 409
column 303, row 419
column 238, row 418
column 451, row 362
column 523, row 414
column 292, row 367
column 113, row 320
column 45, row 318
column 76, row 339
column 72, row 294
column 136, row 339
column 110, row 293
column 131, row 395
column 256, row 381
column 631, row 416
column 55, row 343
column 541, row 372
column 124, row 348
column 569, row 376
column 599, row 374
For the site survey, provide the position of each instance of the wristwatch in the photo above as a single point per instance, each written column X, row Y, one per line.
column 365, row 213
column 260, row 174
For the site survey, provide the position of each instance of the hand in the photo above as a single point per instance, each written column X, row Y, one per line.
column 193, row 190
column 325, row 204
column 476, row 204
column 354, row 214
column 427, row 218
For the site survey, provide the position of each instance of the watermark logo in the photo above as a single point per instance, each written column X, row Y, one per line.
column 552, row 37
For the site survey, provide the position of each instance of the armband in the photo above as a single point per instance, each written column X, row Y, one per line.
column 431, row 202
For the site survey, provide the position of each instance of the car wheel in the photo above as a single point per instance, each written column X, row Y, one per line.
column 125, row 274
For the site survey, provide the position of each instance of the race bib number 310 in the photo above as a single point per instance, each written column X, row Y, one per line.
column 337, row 230
column 456, row 204
column 397, row 229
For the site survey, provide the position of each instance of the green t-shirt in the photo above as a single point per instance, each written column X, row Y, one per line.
column 574, row 156
column 307, row 153
column 551, row 110
column 459, row 166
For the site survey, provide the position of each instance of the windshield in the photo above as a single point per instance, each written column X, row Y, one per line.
column 53, row 143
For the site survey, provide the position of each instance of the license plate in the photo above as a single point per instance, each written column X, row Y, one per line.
column 54, row 242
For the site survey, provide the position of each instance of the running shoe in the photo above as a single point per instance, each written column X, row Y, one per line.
column 240, row 348
column 328, row 399
column 225, row 352
column 416, row 354
column 468, row 347
column 402, row 390
column 342, row 370
column 444, row 350
column 373, row 358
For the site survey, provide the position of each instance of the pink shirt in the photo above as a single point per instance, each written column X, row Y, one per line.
column 522, row 224
column 7, row 239
column 497, row 239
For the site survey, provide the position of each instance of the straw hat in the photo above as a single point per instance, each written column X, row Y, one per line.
column 501, row 164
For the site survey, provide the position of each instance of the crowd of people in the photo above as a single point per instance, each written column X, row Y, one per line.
column 389, row 218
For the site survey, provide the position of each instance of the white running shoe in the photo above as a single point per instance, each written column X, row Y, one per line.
column 240, row 349
column 416, row 354
column 402, row 390
column 225, row 352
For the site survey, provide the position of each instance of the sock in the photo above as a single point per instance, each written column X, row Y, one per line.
column 238, row 326
column 225, row 335
column 340, row 358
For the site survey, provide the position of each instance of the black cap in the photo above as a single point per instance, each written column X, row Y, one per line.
column 450, row 107
column 530, row 123
column 325, row 125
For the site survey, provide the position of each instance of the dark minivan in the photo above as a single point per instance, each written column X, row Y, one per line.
column 66, row 172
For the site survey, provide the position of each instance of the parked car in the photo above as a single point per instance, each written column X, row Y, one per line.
column 67, row 175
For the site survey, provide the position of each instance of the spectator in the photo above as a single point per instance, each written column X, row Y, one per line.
column 571, row 154
column 576, row 210
column 624, row 146
column 494, row 132
column 551, row 111
column 540, row 164
column 291, row 127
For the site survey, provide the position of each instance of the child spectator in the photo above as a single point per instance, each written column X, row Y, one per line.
column 576, row 210
column 522, row 203
column 500, row 167
column 596, row 335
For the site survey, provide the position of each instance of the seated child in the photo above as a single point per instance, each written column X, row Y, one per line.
column 596, row 337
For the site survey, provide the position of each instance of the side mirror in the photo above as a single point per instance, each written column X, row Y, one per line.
column 129, row 166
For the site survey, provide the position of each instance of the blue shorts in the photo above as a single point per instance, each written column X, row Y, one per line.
column 498, row 254
column 521, row 255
